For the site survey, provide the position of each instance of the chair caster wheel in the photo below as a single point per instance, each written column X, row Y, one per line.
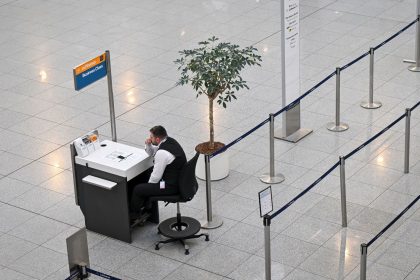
column 157, row 247
column 207, row 238
column 187, row 252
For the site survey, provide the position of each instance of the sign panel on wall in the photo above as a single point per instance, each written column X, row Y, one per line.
column 290, row 54
column 290, row 43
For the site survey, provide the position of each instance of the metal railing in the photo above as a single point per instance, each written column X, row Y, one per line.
column 267, row 219
column 336, row 126
column 364, row 246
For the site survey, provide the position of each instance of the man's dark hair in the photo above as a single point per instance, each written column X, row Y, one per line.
column 159, row 131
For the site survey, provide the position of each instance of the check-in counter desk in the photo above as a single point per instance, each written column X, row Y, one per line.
column 103, row 184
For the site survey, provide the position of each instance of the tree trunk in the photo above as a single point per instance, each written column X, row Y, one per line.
column 211, row 123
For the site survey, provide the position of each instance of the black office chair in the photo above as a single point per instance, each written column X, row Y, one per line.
column 181, row 228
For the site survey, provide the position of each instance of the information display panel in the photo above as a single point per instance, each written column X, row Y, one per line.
column 265, row 198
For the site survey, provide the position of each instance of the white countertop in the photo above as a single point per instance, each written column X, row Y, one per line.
column 132, row 160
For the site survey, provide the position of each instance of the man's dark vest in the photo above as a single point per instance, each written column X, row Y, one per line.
column 173, row 170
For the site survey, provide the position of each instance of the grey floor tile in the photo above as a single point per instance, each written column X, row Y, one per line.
column 12, row 248
column 371, row 220
column 377, row 271
column 38, row 230
column 330, row 264
column 37, row 199
column 253, row 269
column 219, row 259
column 187, row 272
column 12, row 188
column 39, row 263
column 329, row 209
column 311, row 230
column 350, row 240
column 58, row 243
column 243, row 237
column 401, row 256
column 407, row 233
column 290, row 251
column 10, row 162
column 36, row 173
column 61, row 183
column 112, row 254
column 9, row 274
column 12, row 217
column 298, row 274
column 234, row 207
column 149, row 266
column 65, row 211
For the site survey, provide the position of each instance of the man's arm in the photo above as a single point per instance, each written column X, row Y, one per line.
column 150, row 149
column 162, row 159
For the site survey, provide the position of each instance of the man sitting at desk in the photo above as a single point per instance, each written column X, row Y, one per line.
column 169, row 159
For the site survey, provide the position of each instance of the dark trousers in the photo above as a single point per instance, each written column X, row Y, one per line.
column 143, row 190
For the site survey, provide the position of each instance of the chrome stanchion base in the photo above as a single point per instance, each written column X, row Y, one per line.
column 414, row 68
column 214, row 223
column 409, row 61
column 294, row 137
column 373, row 105
column 276, row 179
column 337, row 128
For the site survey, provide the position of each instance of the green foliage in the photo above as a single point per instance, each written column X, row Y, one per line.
column 214, row 68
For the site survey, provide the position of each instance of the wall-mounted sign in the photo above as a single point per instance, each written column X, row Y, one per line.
column 89, row 72
column 290, row 44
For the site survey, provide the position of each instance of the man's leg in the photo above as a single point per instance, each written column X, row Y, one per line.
column 142, row 191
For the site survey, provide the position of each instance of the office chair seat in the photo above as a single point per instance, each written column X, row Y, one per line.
column 179, row 228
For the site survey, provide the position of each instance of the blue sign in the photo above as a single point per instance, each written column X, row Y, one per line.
column 89, row 72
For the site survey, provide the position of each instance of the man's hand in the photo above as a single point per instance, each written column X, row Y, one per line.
column 148, row 141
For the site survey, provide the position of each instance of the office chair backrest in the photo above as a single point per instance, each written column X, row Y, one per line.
column 188, row 185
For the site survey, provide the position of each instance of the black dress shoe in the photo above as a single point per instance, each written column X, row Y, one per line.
column 140, row 220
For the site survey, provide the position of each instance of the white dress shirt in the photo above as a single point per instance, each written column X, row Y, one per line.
column 161, row 159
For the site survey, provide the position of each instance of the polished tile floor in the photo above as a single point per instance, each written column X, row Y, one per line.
column 40, row 113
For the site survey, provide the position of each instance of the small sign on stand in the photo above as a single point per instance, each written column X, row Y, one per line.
column 265, row 198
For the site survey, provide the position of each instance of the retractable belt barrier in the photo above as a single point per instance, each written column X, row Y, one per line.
column 364, row 246
column 74, row 275
column 296, row 101
column 303, row 192
column 100, row 274
column 393, row 221
column 78, row 273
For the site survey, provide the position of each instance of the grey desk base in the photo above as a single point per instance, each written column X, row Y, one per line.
column 107, row 211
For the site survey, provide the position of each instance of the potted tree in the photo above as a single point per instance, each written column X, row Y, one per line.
column 214, row 69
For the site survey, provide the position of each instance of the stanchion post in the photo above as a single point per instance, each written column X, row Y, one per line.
column 343, row 192
column 407, row 141
column 363, row 261
column 83, row 274
column 416, row 63
column 370, row 104
column 212, row 221
column 272, row 178
column 337, row 126
column 111, row 96
column 267, row 247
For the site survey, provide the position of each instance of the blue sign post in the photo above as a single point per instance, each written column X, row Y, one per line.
column 92, row 71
